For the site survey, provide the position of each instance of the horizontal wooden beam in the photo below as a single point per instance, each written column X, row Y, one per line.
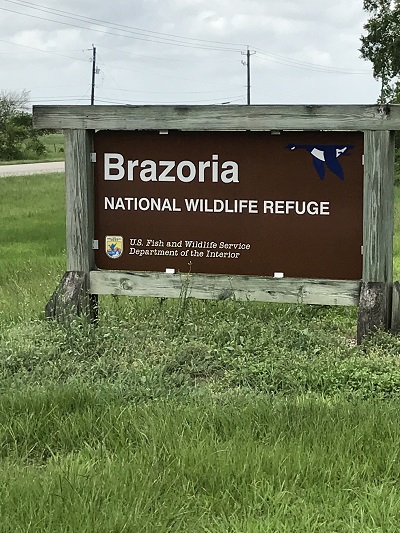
column 220, row 287
column 219, row 118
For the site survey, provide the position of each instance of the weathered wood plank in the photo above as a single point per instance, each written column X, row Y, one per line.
column 80, row 211
column 395, row 324
column 79, row 200
column 374, row 308
column 378, row 228
column 378, row 206
column 217, row 118
column 219, row 287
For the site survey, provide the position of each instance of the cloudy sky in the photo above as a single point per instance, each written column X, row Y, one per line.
column 185, row 51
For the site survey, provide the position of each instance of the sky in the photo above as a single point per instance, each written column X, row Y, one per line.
column 185, row 51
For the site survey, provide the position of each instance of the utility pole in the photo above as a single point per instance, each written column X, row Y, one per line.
column 247, row 64
column 248, row 76
column 94, row 72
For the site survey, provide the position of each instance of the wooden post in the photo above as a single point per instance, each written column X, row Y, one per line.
column 66, row 301
column 378, row 231
column 79, row 226
column 395, row 325
column 374, row 306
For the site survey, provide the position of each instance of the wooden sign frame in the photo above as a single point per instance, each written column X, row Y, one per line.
column 375, row 295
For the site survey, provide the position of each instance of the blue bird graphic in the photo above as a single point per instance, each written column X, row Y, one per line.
column 324, row 155
column 114, row 250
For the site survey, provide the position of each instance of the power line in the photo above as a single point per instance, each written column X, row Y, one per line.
column 168, row 58
column 117, row 101
column 141, row 37
column 52, row 87
column 113, row 67
column 304, row 65
column 14, row 53
column 177, row 78
column 68, row 14
column 167, row 38
column 171, row 39
column 162, row 38
column 43, row 99
column 162, row 92
column 112, row 77
column 82, row 97
column 118, row 68
column 107, row 71
column 53, row 98
column 44, row 51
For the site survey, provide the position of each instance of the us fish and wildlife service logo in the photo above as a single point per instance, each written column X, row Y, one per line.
column 114, row 246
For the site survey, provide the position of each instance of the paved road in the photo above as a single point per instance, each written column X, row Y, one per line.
column 31, row 168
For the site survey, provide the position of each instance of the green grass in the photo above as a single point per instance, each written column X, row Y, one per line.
column 32, row 233
column 185, row 415
column 74, row 459
column 54, row 143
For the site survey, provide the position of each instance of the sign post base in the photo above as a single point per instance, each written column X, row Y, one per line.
column 71, row 299
column 374, row 308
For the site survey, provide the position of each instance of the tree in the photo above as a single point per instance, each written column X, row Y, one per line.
column 18, row 139
column 381, row 44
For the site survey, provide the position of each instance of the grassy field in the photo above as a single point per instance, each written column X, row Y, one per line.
column 54, row 143
column 176, row 416
column 79, row 460
column 32, row 233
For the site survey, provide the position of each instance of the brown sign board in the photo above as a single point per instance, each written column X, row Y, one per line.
column 283, row 204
